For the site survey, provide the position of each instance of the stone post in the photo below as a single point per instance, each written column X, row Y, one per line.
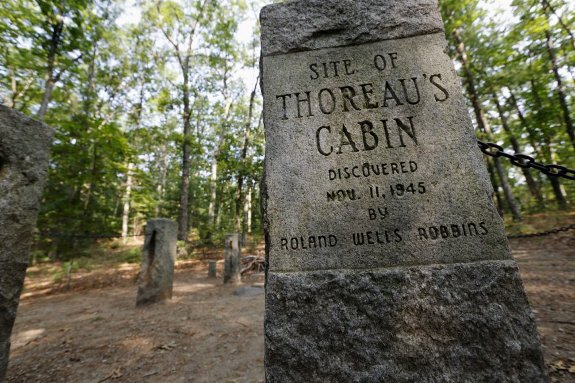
column 24, row 157
column 232, row 259
column 155, row 283
column 387, row 261
column 212, row 269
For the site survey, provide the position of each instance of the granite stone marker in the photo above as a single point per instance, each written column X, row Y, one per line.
column 387, row 261
column 232, row 259
column 155, row 283
column 24, row 157
column 212, row 269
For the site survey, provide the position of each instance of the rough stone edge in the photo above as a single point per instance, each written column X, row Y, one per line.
column 32, row 129
column 165, row 226
column 506, row 267
column 328, row 24
column 231, row 274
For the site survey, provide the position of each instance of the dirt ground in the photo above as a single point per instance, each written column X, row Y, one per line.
column 92, row 333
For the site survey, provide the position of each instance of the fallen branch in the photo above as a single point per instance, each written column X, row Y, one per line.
column 253, row 263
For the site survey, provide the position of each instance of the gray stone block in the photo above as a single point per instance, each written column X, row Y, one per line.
column 457, row 323
column 212, row 270
column 301, row 25
column 232, row 259
column 386, row 259
column 24, row 157
column 156, row 279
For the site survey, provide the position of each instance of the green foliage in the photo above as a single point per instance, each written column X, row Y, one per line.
column 130, row 255
column 126, row 99
column 116, row 95
column 509, row 62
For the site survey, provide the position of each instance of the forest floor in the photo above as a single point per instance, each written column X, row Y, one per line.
column 89, row 331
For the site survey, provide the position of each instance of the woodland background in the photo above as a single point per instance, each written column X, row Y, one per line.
column 157, row 108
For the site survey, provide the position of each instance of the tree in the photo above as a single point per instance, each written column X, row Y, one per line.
column 180, row 29
column 470, row 80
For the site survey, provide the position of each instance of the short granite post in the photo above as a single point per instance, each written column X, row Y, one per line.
column 155, row 283
column 386, row 259
column 232, row 259
column 212, row 269
column 24, row 157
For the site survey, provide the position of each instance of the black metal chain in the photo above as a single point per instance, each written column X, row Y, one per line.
column 544, row 233
column 525, row 161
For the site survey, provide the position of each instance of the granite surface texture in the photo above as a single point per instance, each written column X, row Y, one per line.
column 458, row 323
column 303, row 25
column 24, row 158
column 156, row 279
column 386, row 258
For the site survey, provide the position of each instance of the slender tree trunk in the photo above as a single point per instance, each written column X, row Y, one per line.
column 92, row 183
column 496, row 193
column 242, row 170
column 532, row 141
column 136, row 224
column 558, row 188
column 50, row 77
column 87, row 108
column 547, row 153
column 560, row 90
column 484, row 126
column 513, row 205
column 161, row 186
column 131, row 165
column 16, row 94
column 547, row 5
column 238, row 215
column 183, row 216
column 248, row 210
column 470, row 83
column 46, row 97
column 184, row 55
column 531, row 184
column 213, row 211
column 126, row 210
column 558, row 191
column 213, row 189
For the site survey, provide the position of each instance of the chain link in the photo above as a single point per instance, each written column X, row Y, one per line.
column 544, row 233
column 525, row 161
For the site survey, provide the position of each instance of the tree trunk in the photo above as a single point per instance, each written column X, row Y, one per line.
column 184, row 56
column 92, row 184
column 213, row 189
column 531, row 184
column 16, row 94
column 547, row 153
column 511, row 201
column 483, row 124
column 136, row 224
column 183, row 215
column 161, row 186
column 532, row 141
column 248, row 210
column 126, row 210
column 558, row 191
column 50, row 77
column 244, row 153
column 560, row 89
column 547, row 5
column 496, row 193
